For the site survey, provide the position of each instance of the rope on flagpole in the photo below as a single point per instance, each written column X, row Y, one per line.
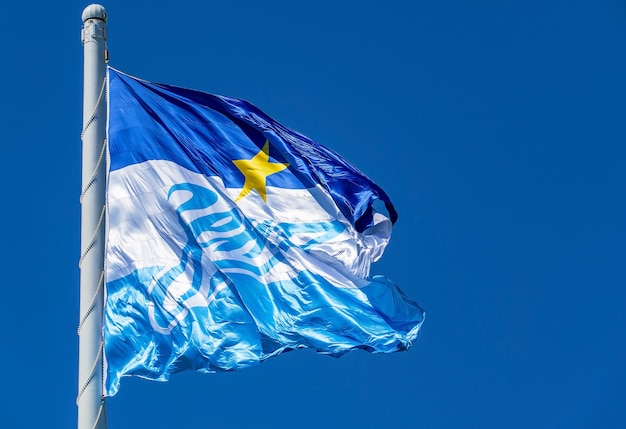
column 92, row 118
column 102, row 412
column 91, row 374
column 93, row 239
column 102, row 408
column 94, row 114
column 102, row 97
column 92, row 306
column 92, row 180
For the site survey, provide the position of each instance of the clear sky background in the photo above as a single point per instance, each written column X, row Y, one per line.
column 497, row 128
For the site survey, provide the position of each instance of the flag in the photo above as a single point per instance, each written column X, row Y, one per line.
column 231, row 238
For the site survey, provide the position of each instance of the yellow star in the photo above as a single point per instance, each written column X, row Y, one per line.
column 256, row 170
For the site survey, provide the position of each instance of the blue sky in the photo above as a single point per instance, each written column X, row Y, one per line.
column 497, row 129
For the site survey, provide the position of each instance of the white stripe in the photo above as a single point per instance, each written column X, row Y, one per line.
column 144, row 229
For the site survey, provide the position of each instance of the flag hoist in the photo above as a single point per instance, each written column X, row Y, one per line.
column 89, row 400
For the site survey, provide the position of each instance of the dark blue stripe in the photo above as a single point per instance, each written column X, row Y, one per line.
column 205, row 133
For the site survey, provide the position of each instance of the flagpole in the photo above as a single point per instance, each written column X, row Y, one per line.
column 90, row 400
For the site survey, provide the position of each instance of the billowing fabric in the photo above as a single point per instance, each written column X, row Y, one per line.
column 231, row 239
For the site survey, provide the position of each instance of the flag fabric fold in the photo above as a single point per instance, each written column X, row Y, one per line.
column 231, row 239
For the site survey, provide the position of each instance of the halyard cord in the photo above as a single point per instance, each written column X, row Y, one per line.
column 101, row 410
column 92, row 179
column 92, row 373
column 92, row 305
column 93, row 239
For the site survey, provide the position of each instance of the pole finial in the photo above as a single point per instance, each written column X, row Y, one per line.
column 94, row 11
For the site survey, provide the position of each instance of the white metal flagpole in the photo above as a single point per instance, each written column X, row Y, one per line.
column 90, row 400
